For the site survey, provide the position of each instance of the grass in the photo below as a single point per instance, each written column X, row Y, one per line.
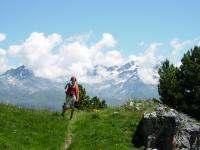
column 22, row 129
column 105, row 131
column 28, row 129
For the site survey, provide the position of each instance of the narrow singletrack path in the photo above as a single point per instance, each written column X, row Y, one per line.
column 68, row 141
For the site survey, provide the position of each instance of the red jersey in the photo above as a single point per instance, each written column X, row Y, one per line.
column 73, row 90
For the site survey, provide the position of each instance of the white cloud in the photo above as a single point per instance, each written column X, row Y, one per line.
column 107, row 41
column 14, row 50
column 2, row 52
column 198, row 43
column 178, row 45
column 36, row 52
column 72, row 58
column 2, row 37
column 3, row 61
column 53, row 56
column 78, row 58
column 178, row 64
column 147, row 62
column 112, row 58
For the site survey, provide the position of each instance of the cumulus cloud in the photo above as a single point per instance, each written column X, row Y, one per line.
column 80, row 58
column 36, row 52
column 147, row 63
column 2, row 37
column 73, row 57
column 53, row 56
column 107, row 41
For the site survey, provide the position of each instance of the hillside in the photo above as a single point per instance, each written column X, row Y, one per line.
column 22, row 129
column 109, row 129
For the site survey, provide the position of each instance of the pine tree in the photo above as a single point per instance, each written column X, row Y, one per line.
column 168, row 86
column 84, row 99
column 87, row 103
column 190, row 81
column 180, row 87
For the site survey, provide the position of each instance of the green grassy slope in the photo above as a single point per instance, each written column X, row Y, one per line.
column 26, row 129
column 22, row 129
column 105, row 131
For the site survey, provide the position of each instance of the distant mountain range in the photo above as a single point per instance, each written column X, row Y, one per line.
column 126, row 85
column 20, row 86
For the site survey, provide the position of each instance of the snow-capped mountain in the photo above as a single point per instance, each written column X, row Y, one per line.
column 21, row 86
column 20, row 73
column 126, row 84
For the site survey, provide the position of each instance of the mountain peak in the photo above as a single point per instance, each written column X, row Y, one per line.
column 20, row 72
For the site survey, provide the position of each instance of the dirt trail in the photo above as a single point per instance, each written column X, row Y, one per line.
column 68, row 141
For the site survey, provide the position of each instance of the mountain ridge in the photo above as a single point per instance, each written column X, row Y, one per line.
column 21, row 86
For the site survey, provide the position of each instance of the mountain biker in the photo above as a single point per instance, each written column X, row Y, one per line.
column 72, row 96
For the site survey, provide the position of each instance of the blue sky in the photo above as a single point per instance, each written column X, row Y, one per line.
column 134, row 24
column 130, row 21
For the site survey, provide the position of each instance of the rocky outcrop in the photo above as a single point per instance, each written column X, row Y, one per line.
column 167, row 129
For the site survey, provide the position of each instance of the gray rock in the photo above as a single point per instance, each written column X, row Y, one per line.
column 167, row 129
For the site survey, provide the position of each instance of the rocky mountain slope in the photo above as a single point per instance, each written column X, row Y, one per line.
column 20, row 86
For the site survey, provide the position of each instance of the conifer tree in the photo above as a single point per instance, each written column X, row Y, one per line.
column 168, row 87
column 190, row 81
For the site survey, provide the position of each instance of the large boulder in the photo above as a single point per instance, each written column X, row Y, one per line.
column 167, row 129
